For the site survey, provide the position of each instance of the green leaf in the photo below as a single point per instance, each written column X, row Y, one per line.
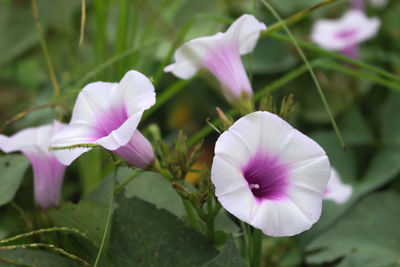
column 354, row 128
column 12, row 169
column 271, row 56
column 229, row 256
column 154, row 188
column 369, row 234
column 34, row 257
column 88, row 217
column 143, row 235
column 391, row 120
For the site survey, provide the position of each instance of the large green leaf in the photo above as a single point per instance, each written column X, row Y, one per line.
column 88, row 217
column 368, row 235
column 34, row 257
column 143, row 235
column 229, row 256
column 354, row 128
column 391, row 120
column 12, row 169
column 154, row 188
column 272, row 56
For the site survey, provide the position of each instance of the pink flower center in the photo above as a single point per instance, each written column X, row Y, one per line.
column 109, row 121
column 267, row 177
column 346, row 34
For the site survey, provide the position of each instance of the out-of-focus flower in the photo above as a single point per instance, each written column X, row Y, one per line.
column 108, row 114
column 220, row 54
column 346, row 33
column 270, row 175
column 47, row 170
column 379, row 3
column 336, row 190
column 358, row 4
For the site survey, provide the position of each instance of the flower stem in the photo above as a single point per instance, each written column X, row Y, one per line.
column 191, row 215
column 256, row 245
column 109, row 215
column 210, row 220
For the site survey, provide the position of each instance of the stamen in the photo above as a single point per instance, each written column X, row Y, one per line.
column 254, row 186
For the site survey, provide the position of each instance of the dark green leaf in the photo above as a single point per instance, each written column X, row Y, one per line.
column 229, row 256
column 368, row 235
column 143, row 235
column 88, row 217
column 154, row 188
column 12, row 169
column 391, row 120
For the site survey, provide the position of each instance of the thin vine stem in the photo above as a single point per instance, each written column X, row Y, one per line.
column 108, row 221
column 47, row 246
column 45, row 50
column 310, row 69
column 48, row 230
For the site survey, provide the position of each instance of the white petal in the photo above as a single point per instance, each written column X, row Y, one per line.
column 336, row 190
column 240, row 203
column 30, row 138
column 72, row 135
column 301, row 150
column 280, row 218
column 135, row 91
column 122, row 135
column 226, row 177
column 92, row 101
column 307, row 186
column 246, row 31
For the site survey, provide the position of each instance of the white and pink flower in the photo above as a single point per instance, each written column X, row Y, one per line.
column 220, row 55
column 48, row 171
column 270, row 175
column 108, row 114
column 336, row 190
column 346, row 33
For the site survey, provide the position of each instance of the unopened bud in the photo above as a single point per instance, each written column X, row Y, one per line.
column 225, row 120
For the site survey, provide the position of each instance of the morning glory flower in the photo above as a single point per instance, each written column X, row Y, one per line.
column 48, row 172
column 270, row 175
column 346, row 33
column 220, row 55
column 108, row 114
column 336, row 190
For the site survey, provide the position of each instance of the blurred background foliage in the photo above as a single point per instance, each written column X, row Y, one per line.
column 120, row 35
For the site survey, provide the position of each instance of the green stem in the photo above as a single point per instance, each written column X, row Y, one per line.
column 210, row 220
column 191, row 215
column 109, row 215
column 256, row 247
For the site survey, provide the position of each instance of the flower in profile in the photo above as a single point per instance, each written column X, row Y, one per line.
column 270, row 175
column 336, row 190
column 220, row 55
column 108, row 114
column 346, row 33
column 47, row 170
